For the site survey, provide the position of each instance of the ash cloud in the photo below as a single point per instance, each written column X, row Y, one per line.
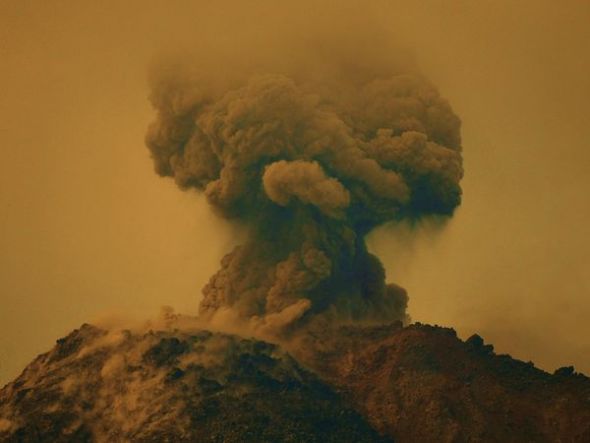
column 309, row 163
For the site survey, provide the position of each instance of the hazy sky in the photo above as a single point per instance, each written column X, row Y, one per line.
column 87, row 229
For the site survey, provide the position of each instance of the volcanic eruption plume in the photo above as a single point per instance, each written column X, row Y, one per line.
column 309, row 166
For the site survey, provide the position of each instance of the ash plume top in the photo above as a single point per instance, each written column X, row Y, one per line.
column 310, row 164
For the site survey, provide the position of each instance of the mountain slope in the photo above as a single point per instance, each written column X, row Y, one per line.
column 172, row 386
column 414, row 384
column 422, row 384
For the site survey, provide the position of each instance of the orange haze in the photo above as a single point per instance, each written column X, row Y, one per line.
column 87, row 228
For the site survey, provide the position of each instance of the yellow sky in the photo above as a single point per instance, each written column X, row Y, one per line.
column 87, row 228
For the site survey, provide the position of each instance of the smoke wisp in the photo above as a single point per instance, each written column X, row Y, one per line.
column 309, row 164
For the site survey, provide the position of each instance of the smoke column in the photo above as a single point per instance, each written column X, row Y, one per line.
column 309, row 165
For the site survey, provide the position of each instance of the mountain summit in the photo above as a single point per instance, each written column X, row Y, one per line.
column 172, row 386
column 417, row 383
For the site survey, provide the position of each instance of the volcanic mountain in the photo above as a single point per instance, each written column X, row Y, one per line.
column 172, row 386
column 307, row 162
column 358, row 384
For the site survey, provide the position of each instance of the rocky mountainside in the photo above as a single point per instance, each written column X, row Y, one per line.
column 172, row 387
column 423, row 384
column 414, row 384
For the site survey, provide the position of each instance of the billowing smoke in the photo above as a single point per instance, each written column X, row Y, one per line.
column 309, row 166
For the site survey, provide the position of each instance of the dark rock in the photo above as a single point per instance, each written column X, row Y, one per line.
column 198, row 387
column 423, row 384
column 564, row 371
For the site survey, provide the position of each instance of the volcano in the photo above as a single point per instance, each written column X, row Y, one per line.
column 300, row 337
column 417, row 383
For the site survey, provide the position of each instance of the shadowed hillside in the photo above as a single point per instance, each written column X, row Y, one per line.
column 172, row 387
column 422, row 383
column 414, row 384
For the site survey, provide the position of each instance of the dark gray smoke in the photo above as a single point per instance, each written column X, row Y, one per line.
column 310, row 167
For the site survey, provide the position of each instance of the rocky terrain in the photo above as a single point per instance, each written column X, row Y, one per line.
column 414, row 384
column 423, row 384
column 172, row 387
